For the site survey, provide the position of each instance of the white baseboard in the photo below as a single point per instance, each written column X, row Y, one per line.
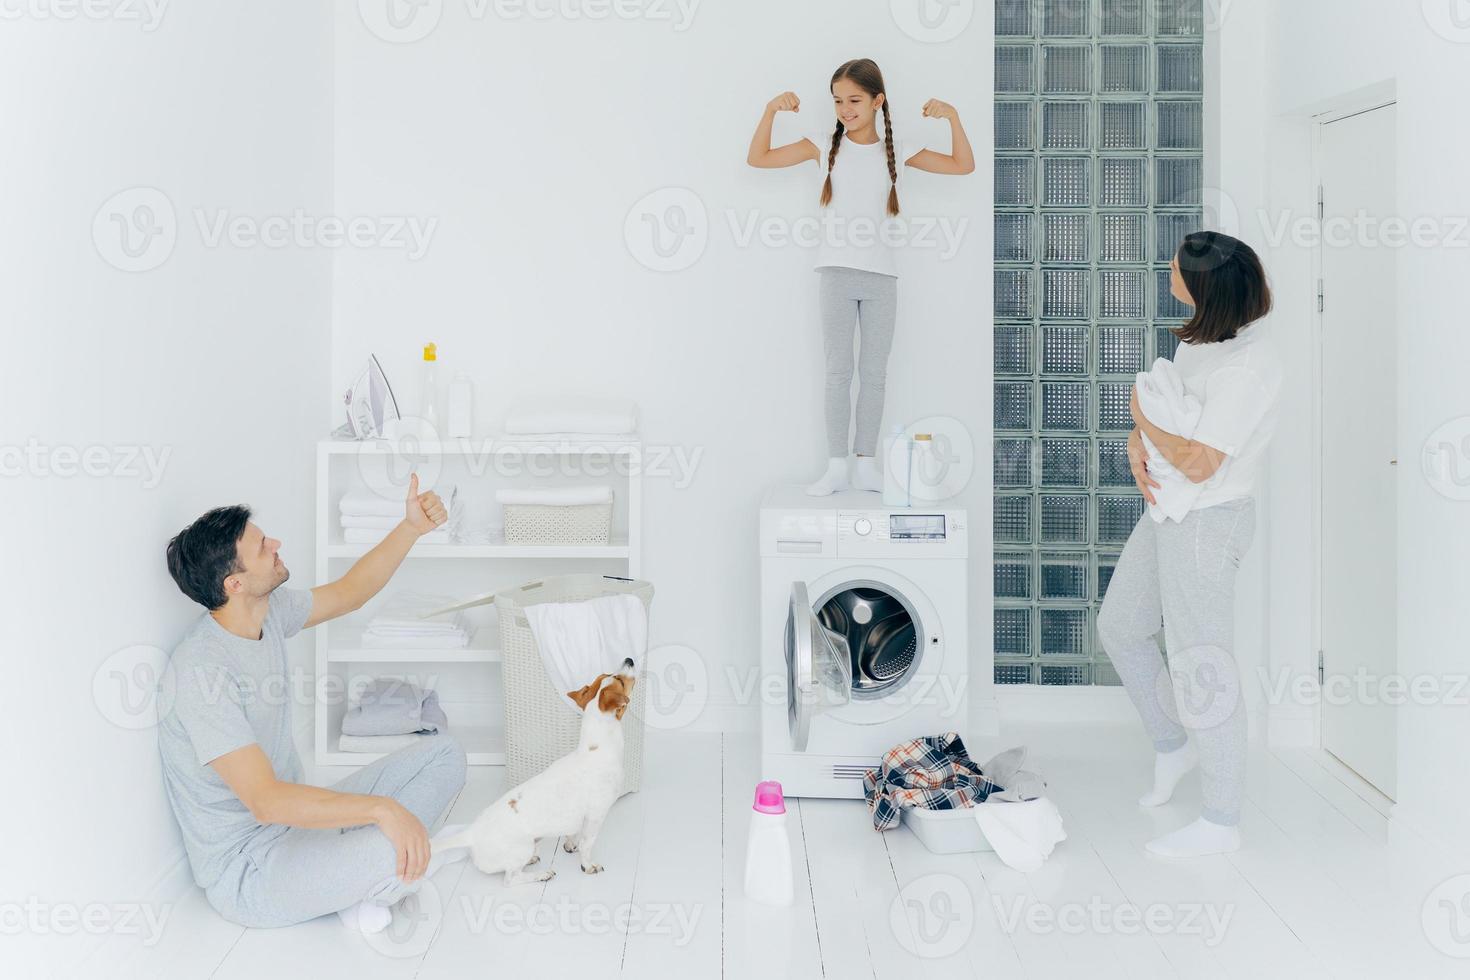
column 985, row 717
column 726, row 716
column 166, row 887
column 1444, row 828
column 1291, row 725
column 1083, row 703
column 730, row 716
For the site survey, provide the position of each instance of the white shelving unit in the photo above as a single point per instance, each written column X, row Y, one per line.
column 466, row 675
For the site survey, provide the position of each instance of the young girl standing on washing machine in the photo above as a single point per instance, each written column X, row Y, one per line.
column 855, row 254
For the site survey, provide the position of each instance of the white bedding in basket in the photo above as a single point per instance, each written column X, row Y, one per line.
column 579, row 640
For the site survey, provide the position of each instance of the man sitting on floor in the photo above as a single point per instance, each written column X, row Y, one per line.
column 267, row 849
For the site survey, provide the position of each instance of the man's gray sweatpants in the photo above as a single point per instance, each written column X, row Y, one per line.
column 288, row 875
column 869, row 301
column 1184, row 573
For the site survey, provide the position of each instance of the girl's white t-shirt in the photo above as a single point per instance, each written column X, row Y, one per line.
column 855, row 231
column 1238, row 382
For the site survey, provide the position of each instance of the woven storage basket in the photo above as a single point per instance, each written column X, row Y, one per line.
column 540, row 727
column 558, row 523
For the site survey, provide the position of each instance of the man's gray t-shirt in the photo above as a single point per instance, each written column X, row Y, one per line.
column 222, row 692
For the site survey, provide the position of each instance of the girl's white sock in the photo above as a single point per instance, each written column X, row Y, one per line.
column 1169, row 768
column 833, row 480
column 1196, row 840
column 868, row 475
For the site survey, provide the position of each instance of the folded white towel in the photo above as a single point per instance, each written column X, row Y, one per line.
column 1165, row 402
column 555, row 496
column 365, row 502
column 413, row 610
column 379, row 743
column 422, row 641
column 382, row 523
column 579, row 438
column 572, row 413
column 372, row 535
column 579, row 640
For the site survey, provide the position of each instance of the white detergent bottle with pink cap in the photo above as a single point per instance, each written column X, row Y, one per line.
column 768, row 848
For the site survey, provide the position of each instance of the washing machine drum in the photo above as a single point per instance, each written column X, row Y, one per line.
column 881, row 636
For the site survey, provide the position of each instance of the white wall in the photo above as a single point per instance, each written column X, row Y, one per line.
column 530, row 140
column 1341, row 53
column 216, row 357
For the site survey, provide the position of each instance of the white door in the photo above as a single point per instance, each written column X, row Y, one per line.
column 1359, row 450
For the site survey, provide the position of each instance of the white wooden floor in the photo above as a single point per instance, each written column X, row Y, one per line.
column 1325, row 887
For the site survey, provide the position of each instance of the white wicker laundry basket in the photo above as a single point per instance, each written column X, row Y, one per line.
column 540, row 727
column 558, row 523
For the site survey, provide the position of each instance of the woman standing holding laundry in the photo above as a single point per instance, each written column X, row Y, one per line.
column 1182, row 568
column 859, row 274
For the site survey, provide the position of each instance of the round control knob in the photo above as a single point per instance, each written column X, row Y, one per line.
column 863, row 526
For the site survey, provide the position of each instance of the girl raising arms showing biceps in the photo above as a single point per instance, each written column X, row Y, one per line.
column 861, row 168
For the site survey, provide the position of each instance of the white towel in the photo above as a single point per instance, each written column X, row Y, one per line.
column 586, row 414
column 579, row 640
column 372, row 535
column 1165, row 403
column 555, row 496
column 382, row 523
column 1023, row 834
column 415, row 641
column 534, row 439
column 364, row 502
column 379, row 743
column 405, row 613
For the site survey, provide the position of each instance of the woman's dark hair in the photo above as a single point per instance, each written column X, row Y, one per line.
column 1225, row 279
column 864, row 72
column 204, row 554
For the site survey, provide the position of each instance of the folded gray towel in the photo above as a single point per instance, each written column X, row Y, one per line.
column 393, row 707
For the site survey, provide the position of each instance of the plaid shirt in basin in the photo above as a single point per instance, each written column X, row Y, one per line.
column 934, row 772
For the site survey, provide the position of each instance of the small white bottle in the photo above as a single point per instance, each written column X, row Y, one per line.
column 768, row 848
column 430, row 417
column 461, row 402
column 898, row 466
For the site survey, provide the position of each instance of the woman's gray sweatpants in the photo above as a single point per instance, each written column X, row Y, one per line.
column 868, row 300
column 1184, row 573
column 298, row 874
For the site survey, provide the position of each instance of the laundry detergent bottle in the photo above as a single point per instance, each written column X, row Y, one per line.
column 768, row 848
column 430, row 416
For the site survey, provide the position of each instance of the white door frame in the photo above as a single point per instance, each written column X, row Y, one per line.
column 1360, row 786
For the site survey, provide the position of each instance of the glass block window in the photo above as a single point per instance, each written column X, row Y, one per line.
column 1098, row 173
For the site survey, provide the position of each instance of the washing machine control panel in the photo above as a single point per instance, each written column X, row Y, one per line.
column 901, row 533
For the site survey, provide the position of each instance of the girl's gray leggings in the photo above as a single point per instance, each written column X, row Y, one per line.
column 1183, row 574
column 868, row 300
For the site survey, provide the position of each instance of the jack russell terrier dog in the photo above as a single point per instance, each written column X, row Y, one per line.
column 570, row 798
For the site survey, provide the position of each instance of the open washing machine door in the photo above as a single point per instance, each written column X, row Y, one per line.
column 818, row 667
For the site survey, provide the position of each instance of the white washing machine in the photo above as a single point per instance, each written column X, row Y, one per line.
column 863, row 634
